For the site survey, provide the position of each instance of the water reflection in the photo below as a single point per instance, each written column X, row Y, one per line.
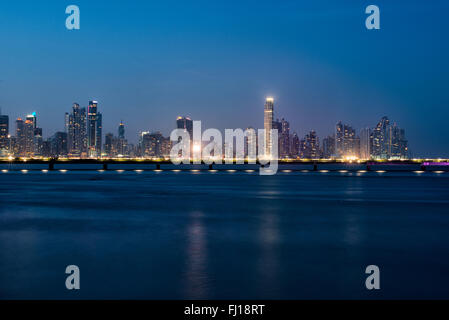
column 352, row 233
column 196, row 276
column 269, row 264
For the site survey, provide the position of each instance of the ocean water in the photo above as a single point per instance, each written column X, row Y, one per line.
column 223, row 235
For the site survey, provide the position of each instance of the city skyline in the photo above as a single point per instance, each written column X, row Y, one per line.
column 316, row 59
column 83, row 138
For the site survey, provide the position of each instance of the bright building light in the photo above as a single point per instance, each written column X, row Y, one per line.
column 351, row 158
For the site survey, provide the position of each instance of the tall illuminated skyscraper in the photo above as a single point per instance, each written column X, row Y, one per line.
column 94, row 128
column 76, row 132
column 32, row 119
column 121, row 141
column 29, row 127
column 268, row 123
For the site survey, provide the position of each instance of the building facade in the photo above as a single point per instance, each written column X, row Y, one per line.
column 94, row 130
column 4, row 134
column 268, row 123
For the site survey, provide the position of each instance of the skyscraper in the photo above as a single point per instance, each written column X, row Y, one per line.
column 396, row 142
column 109, row 147
column 284, row 139
column 310, row 146
column 59, row 144
column 347, row 144
column 20, row 137
column 328, row 147
column 66, row 122
column 365, row 143
column 379, row 150
column 94, row 128
column 295, row 146
column 32, row 119
column 121, row 142
column 99, row 136
column 38, row 142
column 250, row 143
column 121, row 130
column 185, row 123
column 4, row 132
column 76, row 133
column 268, row 123
column 29, row 129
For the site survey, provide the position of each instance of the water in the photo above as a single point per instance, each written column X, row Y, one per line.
column 204, row 235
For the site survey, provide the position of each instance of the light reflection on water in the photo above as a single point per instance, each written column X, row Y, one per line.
column 268, row 264
column 197, row 279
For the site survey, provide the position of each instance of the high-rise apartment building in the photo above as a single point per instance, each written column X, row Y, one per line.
column 328, row 147
column 310, row 146
column 94, row 130
column 185, row 123
column 284, row 145
column 154, row 145
column 58, row 144
column 347, row 144
column 76, row 132
column 268, row 124
column 121, row 142
column 295, row 146
column 29, row 131
column 365, row 143
column 388, row 141
column 379, row 150
column 4, row 132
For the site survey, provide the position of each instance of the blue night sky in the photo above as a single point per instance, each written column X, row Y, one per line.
column 147, row 62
